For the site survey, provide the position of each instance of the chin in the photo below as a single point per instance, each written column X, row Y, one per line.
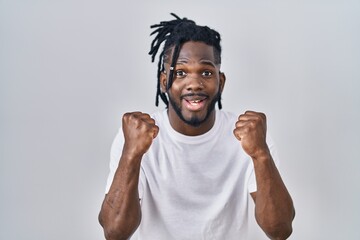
column 195, row 120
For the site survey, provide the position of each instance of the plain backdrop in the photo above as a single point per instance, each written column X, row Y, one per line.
column 69, row 70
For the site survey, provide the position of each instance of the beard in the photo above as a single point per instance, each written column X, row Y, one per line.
column 195, row 121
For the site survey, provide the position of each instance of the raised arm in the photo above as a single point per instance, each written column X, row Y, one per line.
column 120, row 213
column 274, row 210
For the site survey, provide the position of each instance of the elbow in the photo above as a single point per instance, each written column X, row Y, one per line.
column 279, row 226
column 117, row 230
column 279, row 231
column 113, row 233
column 282, row 234
column 275, row 228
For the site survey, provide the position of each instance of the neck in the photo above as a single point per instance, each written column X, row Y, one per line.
column 184, row 128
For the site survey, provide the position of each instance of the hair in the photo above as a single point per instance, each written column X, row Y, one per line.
column 175, row 33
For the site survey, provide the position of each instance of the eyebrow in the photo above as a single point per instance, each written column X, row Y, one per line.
column 204, row 62
column 208, row 62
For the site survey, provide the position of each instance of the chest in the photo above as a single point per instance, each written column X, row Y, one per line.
column 196, row 173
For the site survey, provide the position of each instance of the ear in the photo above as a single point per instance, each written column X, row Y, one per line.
column 222, row 79
column 163, row 82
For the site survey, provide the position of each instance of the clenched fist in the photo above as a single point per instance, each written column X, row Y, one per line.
column 139, row 131
column 250, row 130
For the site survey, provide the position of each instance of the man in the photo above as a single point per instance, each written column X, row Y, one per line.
column 188, row 172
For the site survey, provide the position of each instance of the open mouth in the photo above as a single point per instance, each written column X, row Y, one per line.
column 195, row 102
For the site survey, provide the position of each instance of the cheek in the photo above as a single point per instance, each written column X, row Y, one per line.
column 214, row 87
column 175, row 89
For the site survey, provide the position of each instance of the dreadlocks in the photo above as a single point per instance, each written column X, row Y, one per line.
column 175, row 33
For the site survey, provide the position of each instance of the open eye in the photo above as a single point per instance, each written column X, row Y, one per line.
column 206, row 74
column 180, row 73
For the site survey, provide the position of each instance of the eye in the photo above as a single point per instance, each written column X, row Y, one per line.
column 180, row 73
column 206, row 73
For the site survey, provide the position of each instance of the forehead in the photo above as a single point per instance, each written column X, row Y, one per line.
column 196, row 51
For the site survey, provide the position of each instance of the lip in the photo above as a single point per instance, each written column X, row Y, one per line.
column 194, row 102
column 194, row 96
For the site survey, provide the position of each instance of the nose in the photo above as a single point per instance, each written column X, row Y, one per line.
column 194, row 83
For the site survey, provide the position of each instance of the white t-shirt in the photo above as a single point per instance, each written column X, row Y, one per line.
column 193, row 187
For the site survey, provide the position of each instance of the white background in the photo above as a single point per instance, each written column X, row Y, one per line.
column 70, row 69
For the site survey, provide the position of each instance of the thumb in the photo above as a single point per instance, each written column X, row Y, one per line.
column 155, row 131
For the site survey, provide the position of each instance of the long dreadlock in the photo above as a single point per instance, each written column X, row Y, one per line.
column 175, row 33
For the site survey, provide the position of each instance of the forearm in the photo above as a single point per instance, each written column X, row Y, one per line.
column 120, row 214
column 274, row 209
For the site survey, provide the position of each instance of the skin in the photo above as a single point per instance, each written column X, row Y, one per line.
column 120, row 212
column 196, row 86
column 196, row 73
column 274, row 210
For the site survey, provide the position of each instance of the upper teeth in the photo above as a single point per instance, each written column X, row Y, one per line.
column 195, row 101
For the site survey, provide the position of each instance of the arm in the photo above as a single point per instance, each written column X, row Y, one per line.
column 274, row 210
column 120, row 213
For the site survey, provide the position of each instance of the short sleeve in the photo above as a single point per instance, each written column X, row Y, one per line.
column 252, row 187
column 115, row 154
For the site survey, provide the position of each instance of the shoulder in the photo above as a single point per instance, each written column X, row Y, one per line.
column 226, row 117
column 159, row 115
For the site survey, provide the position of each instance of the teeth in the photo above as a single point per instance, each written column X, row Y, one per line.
column 195, row 102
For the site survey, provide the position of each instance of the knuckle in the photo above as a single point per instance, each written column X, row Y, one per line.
column 263, row 116
column 246, row 130
column 145, row 115
column 151, row 121
column 126, row 117
column 134, row 115
column 252, row 124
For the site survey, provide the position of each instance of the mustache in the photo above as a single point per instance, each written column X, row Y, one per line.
column 194, row 95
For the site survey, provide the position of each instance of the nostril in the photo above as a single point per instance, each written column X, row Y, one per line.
column 195, row 83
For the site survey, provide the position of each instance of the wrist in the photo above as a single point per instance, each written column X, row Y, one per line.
column 262, row 155
column 131, row 151
column 131, row 156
